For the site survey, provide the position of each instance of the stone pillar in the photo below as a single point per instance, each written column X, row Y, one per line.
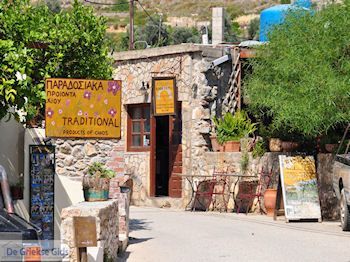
column 107, row 226
column 218, row 22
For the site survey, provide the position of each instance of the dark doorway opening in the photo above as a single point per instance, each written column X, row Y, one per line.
column 162, row 156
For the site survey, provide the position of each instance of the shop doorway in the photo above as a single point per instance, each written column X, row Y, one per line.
column 162, row 156
column 166, row 155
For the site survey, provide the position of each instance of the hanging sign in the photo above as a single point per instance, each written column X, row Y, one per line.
column 164, row 96
column 83, row 108
column 299, row 187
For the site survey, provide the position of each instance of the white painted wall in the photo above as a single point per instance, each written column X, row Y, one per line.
column 67, row 191
column 11, row 154
column 11, row 145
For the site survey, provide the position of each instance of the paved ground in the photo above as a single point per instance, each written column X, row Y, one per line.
column 169, row 235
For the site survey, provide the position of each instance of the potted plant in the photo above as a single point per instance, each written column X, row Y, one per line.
column 96, row 182
column 231, row 128
column 216, row 146
column 17, row 188
column 270, row 195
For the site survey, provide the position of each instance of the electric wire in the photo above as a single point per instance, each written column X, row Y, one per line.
column 150, row 17
column 97, row 3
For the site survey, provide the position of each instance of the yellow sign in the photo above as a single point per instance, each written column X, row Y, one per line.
column 83, row 108
column 299, row 187
column 164, row 96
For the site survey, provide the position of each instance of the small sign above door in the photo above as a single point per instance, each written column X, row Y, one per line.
column 164, row 96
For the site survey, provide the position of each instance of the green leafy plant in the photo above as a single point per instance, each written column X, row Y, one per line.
column 233, row 127
column 301, row 77
column 97, row 169
column 259, row 149
column 37, row 43
column 244, row 161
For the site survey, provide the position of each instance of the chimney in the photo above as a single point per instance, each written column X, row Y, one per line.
column 218, row 25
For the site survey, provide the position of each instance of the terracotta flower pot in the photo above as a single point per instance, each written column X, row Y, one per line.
column 288, row 146
column 232, row 146
column 270, row 201
column 275, row 145
column 215, row 144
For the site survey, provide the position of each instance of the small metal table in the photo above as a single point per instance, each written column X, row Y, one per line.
column 192, row 182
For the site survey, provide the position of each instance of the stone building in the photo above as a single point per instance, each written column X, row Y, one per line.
column 155, row 151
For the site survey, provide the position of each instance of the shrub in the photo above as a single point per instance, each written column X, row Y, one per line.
column 233, row 127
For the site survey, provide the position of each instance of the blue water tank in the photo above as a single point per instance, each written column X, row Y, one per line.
column 275, row 15
column 303, row 3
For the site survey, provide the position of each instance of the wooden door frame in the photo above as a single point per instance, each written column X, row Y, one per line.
column 152, row 157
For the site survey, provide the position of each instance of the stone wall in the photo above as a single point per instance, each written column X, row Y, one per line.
column 137, row 166
column 74, row 155
column 107, row 228
column 189, row 69
column 231, row 161
column 197, row 91
column 328, row 200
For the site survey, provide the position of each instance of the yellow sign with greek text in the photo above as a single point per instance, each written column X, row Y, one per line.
column 164, row 96
column 83, row 108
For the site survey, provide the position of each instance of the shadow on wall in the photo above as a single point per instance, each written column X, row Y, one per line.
column 11, row 148
column 64, row 199
column 12, row 156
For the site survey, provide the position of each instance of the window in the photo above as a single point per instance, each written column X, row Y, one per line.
column 139, row 127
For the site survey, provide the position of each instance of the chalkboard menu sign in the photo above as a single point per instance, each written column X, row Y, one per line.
column 42, row 178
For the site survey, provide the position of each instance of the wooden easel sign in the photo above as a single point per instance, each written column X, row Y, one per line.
column 299, row 188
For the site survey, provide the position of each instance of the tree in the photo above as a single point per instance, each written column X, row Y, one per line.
column 180, row 35
column 301, row 77
column 153, row 32
column 253, row 28
column 36, row 43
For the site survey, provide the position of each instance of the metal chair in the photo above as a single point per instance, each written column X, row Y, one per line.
column 215, row 186
column 221, row 188
column 203, row 195
column 250, row 190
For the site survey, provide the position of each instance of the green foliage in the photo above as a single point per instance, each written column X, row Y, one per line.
column 36, row 43
column 244, row 161
column 234, row 11
column 97, row 169
column 155, row 34
column 283, row 2
column 121, row 6
column 259, row 149
column 253, row 28
column 301, row 78
column 231, row 29
column 180, row 35
column 233, row 127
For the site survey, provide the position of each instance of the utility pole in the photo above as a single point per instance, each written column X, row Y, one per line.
column 160, row 27
column 131, row 33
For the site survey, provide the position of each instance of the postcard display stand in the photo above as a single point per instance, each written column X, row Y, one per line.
column 42, row 178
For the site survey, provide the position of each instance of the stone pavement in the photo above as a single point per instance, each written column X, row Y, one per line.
column 173, row 235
